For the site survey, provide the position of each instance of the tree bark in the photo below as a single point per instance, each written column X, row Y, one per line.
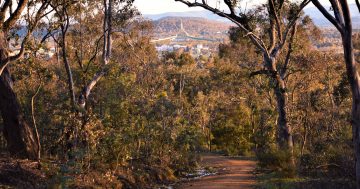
column 68, row 71
column 284, row 132
column 18, row 134
column 284, row 137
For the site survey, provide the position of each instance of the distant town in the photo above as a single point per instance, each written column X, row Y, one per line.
column 198, row 37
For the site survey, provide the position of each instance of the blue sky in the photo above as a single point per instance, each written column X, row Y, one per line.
column 162, row 6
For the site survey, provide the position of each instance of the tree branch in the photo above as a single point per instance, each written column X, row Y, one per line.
column 32, row 26
column 3, row 10
column 97, row 49
column 231, row 6
column 338, row 12
column 88, row 88
column 288, row 55
column 289, row 27
column 293, row 21
column 327, row 15
column 274, row 14
column 347, row 16
column 15, row 16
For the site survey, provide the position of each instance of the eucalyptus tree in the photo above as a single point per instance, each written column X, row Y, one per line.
column 106, row 52
column 341, row 19
column 272, row 37
column 114, row 14
column 21, row 141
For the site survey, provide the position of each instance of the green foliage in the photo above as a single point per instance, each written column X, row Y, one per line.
column 190, row 140
column 341, row 90
column 278, row 161
column 233, row 132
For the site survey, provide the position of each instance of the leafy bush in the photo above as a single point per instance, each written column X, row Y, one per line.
column 278, row 161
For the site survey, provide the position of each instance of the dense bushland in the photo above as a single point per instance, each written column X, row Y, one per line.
column 112, row 112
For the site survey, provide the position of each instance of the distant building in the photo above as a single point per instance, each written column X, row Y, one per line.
column 163, row 48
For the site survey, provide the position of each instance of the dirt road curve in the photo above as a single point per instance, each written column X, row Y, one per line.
column 233, row 173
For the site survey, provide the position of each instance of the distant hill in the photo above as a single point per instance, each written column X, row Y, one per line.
column 200, row 14
column 195, row 26
column 318, row 18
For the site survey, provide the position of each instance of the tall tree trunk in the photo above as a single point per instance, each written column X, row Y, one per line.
column 68, row 71
column 18, row 134
column 284, row 137
column 353, row 77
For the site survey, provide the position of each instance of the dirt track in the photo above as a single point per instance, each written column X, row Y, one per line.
column 233, row 173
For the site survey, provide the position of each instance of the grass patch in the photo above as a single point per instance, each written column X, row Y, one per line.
column 275, row 180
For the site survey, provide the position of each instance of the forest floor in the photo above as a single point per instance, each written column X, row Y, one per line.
column 20, row 174
column 231, row 173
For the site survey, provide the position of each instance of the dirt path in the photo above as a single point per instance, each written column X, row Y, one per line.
column 233, row 173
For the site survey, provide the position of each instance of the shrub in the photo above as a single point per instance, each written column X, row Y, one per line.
column 278, row 161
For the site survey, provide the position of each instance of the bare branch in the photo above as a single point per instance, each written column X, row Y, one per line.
column 3, row 10
column 293, row 21
column 338, row 12
column 231, row 6
column 97, row 49
column 274, row 16
column 288, row 29
column 288, row 55
column 328, row 15
column 88, row 88
column 347, row 16
column 15, row 16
